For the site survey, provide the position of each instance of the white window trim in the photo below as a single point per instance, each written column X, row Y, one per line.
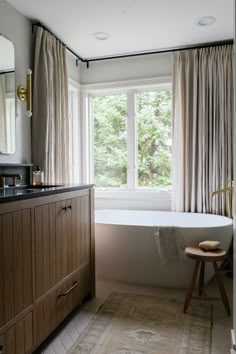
column 90, row 90
column 75, row 86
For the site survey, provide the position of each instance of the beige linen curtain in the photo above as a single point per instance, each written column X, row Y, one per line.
column 50, row 121
column 202, row 128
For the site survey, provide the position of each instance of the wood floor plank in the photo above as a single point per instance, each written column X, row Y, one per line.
column 49, row 350
column 79, row 326
column 58, row 347
column 65, row 339
column 72, row 331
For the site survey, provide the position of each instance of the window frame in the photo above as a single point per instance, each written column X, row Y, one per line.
column 130, row 88
column 75, row 127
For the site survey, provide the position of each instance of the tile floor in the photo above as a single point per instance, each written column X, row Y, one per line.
column 63, row 338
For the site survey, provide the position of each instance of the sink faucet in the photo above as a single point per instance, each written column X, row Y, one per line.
column 14, row 177
column 230, row 190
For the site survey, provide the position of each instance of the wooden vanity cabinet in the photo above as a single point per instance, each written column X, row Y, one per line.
column 47, row 265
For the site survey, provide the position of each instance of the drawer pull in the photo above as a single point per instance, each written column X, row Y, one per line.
column 1, row 349
column 69, row 207
column 68, row 291
column 65, row 208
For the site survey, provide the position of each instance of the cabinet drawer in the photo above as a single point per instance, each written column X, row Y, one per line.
column 18, row 339
column 52, row 311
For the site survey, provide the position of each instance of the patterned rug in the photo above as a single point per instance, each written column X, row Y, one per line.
column 141, row 324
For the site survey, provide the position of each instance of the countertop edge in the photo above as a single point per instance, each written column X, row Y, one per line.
column 21, row 195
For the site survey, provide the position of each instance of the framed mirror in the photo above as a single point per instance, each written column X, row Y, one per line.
column 7, row 97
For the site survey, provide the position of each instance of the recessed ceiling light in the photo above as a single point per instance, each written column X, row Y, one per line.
column 205, row 21
column 101, row 36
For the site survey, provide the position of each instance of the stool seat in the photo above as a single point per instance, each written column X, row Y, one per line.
column 206, row 256
column 201, row 257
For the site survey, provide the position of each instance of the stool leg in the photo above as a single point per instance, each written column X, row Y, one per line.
column 221, row 288
column 201, row 290
column 191, row 286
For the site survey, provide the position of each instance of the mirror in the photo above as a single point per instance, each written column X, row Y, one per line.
column 7, row 97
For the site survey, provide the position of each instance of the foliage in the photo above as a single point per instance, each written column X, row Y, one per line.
column 154, row 138
column 110, row 145
column 153, row 111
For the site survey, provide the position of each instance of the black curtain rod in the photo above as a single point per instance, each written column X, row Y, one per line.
column 38, row 24
column 167, row 50
column 159, row 51
column 6, row 72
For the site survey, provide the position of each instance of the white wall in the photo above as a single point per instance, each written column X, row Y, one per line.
column 133, row 68
column 17, row 29
column 73, row 71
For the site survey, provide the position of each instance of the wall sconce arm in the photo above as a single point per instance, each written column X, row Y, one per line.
column 25, row 93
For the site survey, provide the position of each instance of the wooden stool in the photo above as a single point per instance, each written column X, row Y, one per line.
column 201, row 257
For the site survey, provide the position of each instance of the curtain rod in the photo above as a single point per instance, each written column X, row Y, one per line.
column 38, row 24
column 159, row 51
column 166, row 50
column 6, row 72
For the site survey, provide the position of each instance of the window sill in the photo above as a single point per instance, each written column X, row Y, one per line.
column 132, row 195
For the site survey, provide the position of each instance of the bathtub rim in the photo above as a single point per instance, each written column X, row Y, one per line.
column 228, row 220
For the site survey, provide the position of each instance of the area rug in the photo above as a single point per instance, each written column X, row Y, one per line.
column 141, row 324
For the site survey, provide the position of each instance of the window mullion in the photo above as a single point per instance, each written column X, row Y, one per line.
column 131, row 140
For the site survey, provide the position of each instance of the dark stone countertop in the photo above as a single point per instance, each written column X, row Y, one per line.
column 11, row 194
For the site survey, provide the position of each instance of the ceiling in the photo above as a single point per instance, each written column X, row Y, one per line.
column 133, row 25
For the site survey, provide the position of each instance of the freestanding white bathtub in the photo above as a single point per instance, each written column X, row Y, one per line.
column 126, row 249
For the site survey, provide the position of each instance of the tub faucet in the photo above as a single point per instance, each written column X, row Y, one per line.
column 230, row 190
column 14, row 177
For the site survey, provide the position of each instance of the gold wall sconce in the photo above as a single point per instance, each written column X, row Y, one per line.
column 25, row 93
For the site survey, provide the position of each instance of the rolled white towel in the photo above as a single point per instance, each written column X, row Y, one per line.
column 170, row 243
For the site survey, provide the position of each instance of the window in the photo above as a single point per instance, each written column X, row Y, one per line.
column 131, row 139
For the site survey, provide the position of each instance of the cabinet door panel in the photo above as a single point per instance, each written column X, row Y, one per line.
column 85, row 230
column 8, row 267
column 18, row 339
column 18, row 264
column 46, row 248
column 68, row 236
column 52, row 245
column 47, row 244
column 16, row 269
column 80, row 231
column 76, row 232
column 27, row 257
